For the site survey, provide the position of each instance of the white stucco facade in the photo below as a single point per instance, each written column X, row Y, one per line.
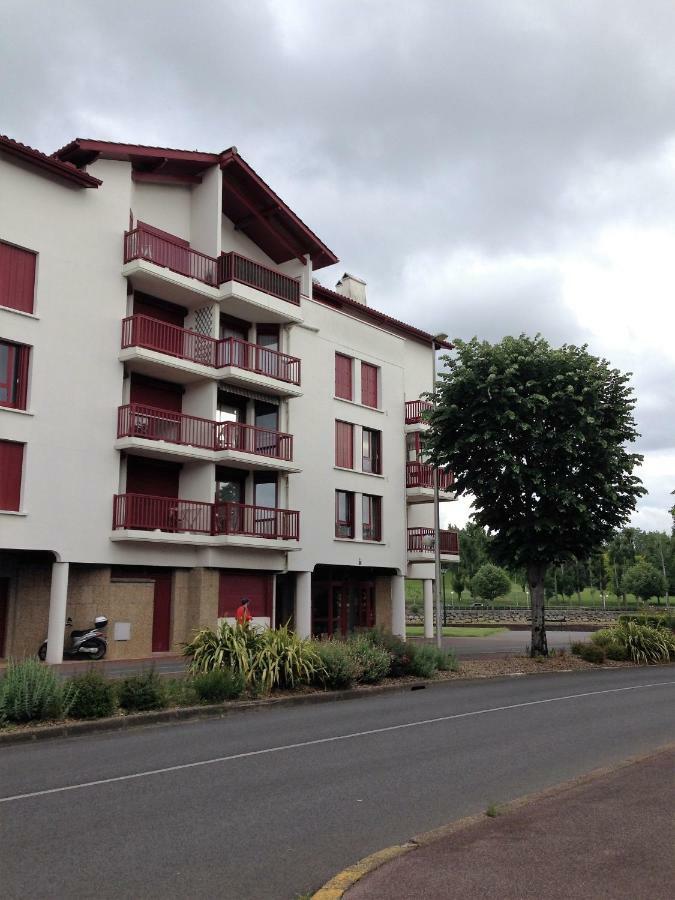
column 74, row 460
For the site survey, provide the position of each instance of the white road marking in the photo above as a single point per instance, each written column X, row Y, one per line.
column 327, row 740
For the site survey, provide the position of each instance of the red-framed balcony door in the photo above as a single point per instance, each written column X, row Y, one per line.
column 161, row 613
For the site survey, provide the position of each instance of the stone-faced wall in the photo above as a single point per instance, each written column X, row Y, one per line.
column 383, row 602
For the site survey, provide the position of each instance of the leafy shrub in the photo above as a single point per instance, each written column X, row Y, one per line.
column 592, row 653
column 617, row 651
column 424, row 662
column 446, row 661
column 646, row 644
column 338, row 667
column 372, row 661
column 94, row 697
column 664, row 620
column 31, row 691
column 265, row 659
column 218, row 685
column 575, row 647
column 604, row 637
column 282, row 659
column 180, row 692
column 401, row 653
column 141, row 692
column 228, row 646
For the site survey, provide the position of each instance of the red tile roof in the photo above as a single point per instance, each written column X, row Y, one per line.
column 332, row 298
column 47, row 164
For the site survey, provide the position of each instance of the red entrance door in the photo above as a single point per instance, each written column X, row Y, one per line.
column 161, row 614
column 4, row 605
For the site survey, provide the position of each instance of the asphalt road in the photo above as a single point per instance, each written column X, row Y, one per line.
column 271, row 804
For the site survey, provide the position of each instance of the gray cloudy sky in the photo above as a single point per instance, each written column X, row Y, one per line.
column 489, row 166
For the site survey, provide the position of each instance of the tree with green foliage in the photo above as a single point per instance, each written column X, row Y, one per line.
column 644, row 580
column 490, row 582
column 538, row 436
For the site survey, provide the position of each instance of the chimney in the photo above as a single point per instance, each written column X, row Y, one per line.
column 352, row 287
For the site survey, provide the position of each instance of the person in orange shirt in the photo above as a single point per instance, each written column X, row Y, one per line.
column 242, row 614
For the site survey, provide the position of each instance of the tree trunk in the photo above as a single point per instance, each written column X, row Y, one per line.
column 535, row 576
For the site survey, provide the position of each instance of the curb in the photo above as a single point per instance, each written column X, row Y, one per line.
column 222, row 710
column 186, row 713
column 338, row 886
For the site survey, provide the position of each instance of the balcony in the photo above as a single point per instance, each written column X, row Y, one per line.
column 419, row 482
column 147, row 518
column 164, row 434
column 413, row 414
column 421, row 545
column 166, row 351
column 246, row 288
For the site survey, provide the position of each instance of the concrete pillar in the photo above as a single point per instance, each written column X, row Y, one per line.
column 428, row 586
column 398, row 605
column 303, row 604
column 58, row 598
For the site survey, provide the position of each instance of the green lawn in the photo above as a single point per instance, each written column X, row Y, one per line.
column 455, row 631
column 516, row 597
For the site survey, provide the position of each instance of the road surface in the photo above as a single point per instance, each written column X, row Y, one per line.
column 271, row 804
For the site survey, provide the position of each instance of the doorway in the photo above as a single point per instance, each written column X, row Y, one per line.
column 341, row 607
column 4, row 610
column 161, row 613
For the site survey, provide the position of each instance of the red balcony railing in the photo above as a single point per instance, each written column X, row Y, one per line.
column 422, row 475
column 139, row 420
column 251, row 439
column 234, row 267
column 421, row 540
column 256, row 521
column 174, row 255
column 414, row 410
column 142, row 244
column 253, row 358
column 144, row 331
column 146, row 513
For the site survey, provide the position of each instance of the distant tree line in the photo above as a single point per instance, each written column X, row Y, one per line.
column 636, row 562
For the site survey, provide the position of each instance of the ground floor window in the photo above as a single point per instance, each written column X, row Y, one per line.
column 340, row 607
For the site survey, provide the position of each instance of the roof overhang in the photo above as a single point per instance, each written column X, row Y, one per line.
column 47, row 165
column 248, row 201
column 261, row 215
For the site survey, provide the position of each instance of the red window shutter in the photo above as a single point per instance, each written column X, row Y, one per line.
column 368, row 384
column 344, row 445
column 17, row 278
column 343, row 376
column 11, row 466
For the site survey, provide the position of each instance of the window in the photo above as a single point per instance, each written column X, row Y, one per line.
column 17, row 278
column 369, row 385
column 413, row 447
column 372, row 517
column 371, row 441
column 13, row 374
column 11, row 466
column 344, row 514
column 343, row 376
column 344, row 445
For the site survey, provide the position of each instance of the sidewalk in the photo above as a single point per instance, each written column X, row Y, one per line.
column 609, row 835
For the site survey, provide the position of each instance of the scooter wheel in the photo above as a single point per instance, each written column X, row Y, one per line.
column 42, row 652
column 100, row 648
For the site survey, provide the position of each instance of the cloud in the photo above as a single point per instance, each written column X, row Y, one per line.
column 488, row 167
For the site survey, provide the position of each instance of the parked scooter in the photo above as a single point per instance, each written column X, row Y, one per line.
column 90, row 643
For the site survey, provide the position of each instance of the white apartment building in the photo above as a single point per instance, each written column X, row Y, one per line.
column 188, row 417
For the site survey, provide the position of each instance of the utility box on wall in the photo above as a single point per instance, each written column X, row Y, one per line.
column 122, row 631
